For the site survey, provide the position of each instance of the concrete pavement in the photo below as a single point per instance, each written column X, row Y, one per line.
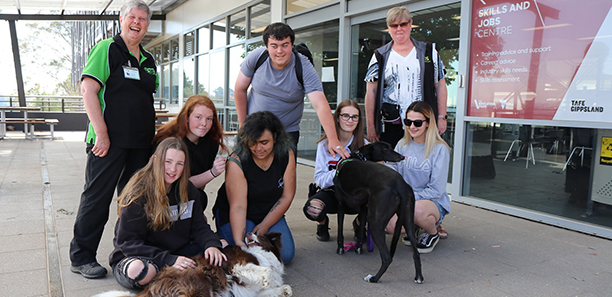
column 486, row 253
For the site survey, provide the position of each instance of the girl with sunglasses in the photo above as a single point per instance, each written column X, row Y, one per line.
column 425, row 169
column 349, row 128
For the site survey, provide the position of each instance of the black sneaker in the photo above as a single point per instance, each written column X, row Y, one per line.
column 323, row 231
column 417, row 231
column 91, row 270
column 427, row 242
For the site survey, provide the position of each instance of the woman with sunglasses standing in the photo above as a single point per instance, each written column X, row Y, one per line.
column 349, row 129
column 425, row 169
column 402, row 71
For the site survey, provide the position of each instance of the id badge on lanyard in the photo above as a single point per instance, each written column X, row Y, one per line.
column 131, row 72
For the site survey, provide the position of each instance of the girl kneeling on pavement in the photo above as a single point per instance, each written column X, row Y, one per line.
column 425, row 169
column 161, row 221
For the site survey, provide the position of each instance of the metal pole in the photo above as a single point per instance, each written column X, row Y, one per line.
column 17, row 61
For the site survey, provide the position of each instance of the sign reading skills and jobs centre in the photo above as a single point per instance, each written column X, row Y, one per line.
column 541, row 59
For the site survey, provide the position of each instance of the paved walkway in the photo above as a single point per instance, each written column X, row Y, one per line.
column 486, row 254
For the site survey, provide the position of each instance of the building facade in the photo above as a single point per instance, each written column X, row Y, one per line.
column 529, row 87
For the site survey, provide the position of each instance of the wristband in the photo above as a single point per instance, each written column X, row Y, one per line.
column 211, row 173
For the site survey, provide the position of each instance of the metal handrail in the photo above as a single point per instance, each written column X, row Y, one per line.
column 63, row 104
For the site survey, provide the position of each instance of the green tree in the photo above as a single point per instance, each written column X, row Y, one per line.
column 46, row 51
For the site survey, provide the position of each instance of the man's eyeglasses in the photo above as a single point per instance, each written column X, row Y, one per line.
column 345, row 117
column 402, row 24
column 417, row 123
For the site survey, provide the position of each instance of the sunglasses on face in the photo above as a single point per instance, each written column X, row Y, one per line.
column 417, row 123
column 345, row 117
column 403, row 25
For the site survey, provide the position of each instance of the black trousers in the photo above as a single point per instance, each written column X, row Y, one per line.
column 102, row 176
column 392, row 134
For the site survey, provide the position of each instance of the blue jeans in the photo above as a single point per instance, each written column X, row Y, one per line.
column 288, row 249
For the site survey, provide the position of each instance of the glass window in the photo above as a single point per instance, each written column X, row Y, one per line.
column 174, row 49
column 322, row 41
column 299, row 5
column 188, row 77
column 542, row 168
column 252, row 46
column 237, row 55
column 189, row 43
column 166, row 81
column 174, row 77
column 232, row 124
column 166, row 51
column 439, row 25
column 203, row 70
column 218, row 33
column 203, row 39
column 157, row 53
column 260, row 18
column 237, row 27
column 217, row 76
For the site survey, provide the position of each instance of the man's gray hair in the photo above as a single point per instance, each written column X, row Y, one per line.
column 127, row 7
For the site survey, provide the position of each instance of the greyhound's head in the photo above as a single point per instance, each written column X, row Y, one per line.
column 377, row 151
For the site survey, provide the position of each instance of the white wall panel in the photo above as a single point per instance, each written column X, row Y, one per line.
column 195, row 12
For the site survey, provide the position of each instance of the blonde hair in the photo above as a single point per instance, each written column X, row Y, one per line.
column 148, row 186
column 398, row 13
column 432, row 137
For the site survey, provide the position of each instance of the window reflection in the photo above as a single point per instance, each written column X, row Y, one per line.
column 203, row 39
column 218, row 33
column 217, row 76
column 299, row 5
column 174, row 78
column 188, row 78
column 203, row 70
column 542, row 168
column 322, row 41
column 236, row 56
column 189, row 43
column 237, row 27
column 260, row 18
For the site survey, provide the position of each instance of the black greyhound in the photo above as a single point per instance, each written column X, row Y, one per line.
column 379, row 192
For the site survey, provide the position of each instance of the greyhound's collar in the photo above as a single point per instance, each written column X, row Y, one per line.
column 356, row 155
column 360, row 155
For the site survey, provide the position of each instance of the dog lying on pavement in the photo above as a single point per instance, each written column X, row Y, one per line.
column 248, row 272
column 379, row 192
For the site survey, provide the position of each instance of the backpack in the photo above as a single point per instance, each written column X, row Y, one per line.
column 298, row 48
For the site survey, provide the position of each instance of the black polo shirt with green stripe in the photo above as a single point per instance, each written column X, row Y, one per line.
column 127, row 104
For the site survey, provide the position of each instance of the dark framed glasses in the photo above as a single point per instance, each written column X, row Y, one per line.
column 345, row 117
column 417, row 123
column 402, row 24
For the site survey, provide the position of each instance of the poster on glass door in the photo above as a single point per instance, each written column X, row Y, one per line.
column 544, row 59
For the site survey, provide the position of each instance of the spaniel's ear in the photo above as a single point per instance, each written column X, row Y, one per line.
column 275, row 239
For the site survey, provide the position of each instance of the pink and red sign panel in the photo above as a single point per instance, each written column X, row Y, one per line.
column 547, row 59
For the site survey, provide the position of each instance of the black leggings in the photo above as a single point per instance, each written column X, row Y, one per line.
column 330, row 205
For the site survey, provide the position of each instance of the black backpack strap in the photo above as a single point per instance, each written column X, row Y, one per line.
column 298, row 68
column 262, row 58
column 429, row 86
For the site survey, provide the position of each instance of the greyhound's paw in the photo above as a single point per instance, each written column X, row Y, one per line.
column 340, row 251
column 418, row 279
column 358, row 250
column 370, row 279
